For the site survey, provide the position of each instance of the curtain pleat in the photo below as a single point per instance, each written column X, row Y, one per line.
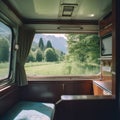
column 24, row 41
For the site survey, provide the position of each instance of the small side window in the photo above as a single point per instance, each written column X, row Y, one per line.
column 5, row 50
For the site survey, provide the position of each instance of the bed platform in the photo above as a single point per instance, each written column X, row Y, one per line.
column 27, row 110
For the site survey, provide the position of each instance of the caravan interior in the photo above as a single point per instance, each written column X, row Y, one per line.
column 58, row 60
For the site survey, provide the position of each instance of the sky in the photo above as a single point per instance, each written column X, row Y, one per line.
column 58, row 35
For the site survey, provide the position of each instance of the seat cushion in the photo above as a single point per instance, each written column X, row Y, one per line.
column 27, row 110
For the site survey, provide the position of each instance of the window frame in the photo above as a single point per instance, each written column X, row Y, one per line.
column 61, row 77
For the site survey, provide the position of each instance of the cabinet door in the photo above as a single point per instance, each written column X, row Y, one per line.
column 97, row 90
column 78, row 88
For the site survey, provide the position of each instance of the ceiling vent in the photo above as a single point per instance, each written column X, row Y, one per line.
column 67, row 10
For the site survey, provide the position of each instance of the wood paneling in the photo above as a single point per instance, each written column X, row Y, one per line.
column 86, row 110
column 106, row 25
column 78, row 88
column 102, row 87
column 51, row 91
column 106, row 31
column 114, row 84
column 106, row 21
column 8, row 99
column 97, row 90
column 41, row 91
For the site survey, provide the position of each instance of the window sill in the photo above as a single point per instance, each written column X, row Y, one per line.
column 4, row 88
column 61, row 78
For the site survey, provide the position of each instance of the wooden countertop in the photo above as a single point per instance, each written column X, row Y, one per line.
column 105, row 85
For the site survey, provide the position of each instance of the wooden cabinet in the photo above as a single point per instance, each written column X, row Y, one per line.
column 106, row 21
column 102, row 87
column 97, row 90
column 106, row 25
column 106, row 30
column 83, row 87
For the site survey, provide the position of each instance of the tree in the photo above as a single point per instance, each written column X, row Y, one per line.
column 34, row 46
column 31, row 57
column 4, row 50
column 41, row 44
column 50, row 55
column 49, row 44
column 39, row 55
column 60, row 55
column 84, row 47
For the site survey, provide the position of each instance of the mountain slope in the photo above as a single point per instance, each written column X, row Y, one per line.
column 59, row 43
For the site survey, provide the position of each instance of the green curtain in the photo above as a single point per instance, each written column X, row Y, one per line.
column 25, row 39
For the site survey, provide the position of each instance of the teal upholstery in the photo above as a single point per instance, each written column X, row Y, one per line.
column 27, row 110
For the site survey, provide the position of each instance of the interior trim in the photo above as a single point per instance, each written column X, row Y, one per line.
column 13, row 9
column 66, row 22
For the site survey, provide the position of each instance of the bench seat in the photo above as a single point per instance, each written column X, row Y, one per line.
column 27, row 110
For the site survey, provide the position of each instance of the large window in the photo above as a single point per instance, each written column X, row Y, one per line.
column 5, row 50
column 64, row 54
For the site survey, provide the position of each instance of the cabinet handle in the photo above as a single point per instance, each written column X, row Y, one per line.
column 63, row 86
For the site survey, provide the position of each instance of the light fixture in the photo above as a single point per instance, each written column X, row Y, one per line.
column 91, row 15
column 70, row 28
column 68, row 9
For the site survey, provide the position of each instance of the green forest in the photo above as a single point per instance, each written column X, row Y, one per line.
column 4, row 50
column 81, row 48
column 44, row 59
column 82, row 57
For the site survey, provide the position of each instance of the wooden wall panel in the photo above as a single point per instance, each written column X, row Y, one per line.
column 51, row 91
column 10, row 97
column 42, row 91
column 106, row 31
column 97, row 90
column 106, row 21
column 86, row 110
column 78, row 88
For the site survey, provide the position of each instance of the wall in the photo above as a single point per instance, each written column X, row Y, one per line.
column 8, row 98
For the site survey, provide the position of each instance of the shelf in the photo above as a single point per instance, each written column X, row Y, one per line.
column 82, row 97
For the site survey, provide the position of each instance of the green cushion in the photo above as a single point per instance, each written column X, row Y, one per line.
column 27, row 110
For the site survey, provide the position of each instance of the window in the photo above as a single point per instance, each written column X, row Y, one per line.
column 5, row 50
column 64, row 54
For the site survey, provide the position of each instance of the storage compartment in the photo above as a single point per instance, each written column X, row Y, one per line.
column 102, row 87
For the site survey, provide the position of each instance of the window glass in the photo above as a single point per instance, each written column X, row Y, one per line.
column 5, row 50
column 64, row 54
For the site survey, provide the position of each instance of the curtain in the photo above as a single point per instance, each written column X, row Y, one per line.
column 25, row 39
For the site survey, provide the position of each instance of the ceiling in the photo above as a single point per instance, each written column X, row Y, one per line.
column 39, row 13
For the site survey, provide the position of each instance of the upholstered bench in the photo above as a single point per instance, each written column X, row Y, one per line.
column 27, row 110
